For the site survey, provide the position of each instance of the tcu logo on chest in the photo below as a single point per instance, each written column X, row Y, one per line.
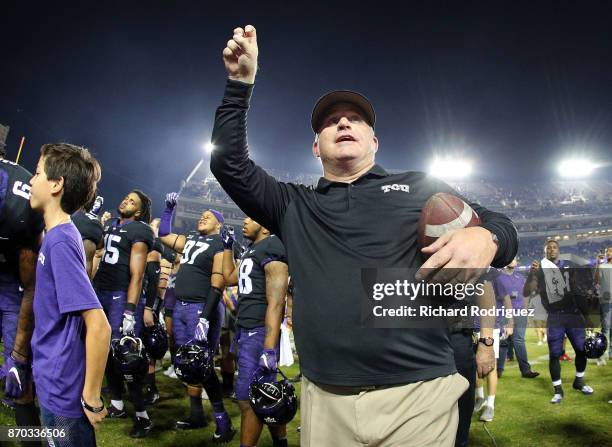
column 395, row 187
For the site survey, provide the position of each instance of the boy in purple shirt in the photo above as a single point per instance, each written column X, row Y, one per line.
column 71, row 333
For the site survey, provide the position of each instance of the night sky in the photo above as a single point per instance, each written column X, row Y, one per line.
column 511, row 86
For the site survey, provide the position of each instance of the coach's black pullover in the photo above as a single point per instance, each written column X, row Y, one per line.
column 330, row 232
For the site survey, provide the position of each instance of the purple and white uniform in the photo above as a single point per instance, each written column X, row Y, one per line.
column 252, row 306
column 19, row 228
column 192, row 286
column 113, row 276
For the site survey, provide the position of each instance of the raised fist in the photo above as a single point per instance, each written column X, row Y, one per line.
column 535, row 265
column 171, row 199
column 240, row 55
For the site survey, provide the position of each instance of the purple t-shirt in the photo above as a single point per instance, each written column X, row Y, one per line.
column 62, row 291
column 510, row 285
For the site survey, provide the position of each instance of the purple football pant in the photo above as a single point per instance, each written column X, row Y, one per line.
column 10, row 302
column 561, row 324
column 185, row 318
column 113, row 303
column 250, row 348
column 169, row 299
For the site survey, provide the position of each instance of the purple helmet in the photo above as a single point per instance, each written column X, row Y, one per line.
column 155, row 340
column 193, row 363
column 274, row 403
column 595, row 345
column 130, row 358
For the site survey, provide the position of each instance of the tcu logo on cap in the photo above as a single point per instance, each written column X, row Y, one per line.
column 395, row 187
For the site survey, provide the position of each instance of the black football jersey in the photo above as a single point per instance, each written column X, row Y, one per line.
column 89, row 226
column 114, row 270
column 193, row 278
column 20, row 226
column 252, row 300
column 566, row 296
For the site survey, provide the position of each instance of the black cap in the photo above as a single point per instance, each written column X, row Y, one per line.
column 332, row 98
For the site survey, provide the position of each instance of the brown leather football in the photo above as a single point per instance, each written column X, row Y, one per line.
column 441, row 213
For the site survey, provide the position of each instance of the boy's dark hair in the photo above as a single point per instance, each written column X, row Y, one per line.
column 145, row 206
column 79, row 169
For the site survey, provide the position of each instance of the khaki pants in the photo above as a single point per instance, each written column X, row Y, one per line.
column 421, row 414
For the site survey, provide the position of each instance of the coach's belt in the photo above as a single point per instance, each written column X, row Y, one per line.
column 353, row 390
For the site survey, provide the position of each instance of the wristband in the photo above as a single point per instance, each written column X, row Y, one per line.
column 90, row 408
column 17, row 352
column 130, row 307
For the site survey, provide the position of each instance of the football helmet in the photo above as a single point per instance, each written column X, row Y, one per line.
column 274, row 403
column 130, row 358
column 155, row 340
column 595, row 345
column 193, row 363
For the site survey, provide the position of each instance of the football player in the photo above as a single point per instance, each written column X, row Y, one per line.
column 198, row 313
column 91, row 231
column 262, row 278
column 20, row 236
column 118, row 283
column 563, row 286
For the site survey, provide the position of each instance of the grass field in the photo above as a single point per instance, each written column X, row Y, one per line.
column 523, row 414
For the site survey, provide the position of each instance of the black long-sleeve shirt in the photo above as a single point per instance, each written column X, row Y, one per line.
column 331, row 232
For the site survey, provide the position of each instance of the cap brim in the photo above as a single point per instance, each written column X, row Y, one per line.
column 341, row 96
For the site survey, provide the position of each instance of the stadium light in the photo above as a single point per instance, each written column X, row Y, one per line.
column 576, row 168
column 208, row 147
column 450, row 168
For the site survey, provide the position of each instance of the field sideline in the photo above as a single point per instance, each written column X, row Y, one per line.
column 523, row 414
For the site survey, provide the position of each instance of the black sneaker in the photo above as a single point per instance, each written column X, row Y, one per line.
column 115, row 413
column 190, row 424
column 226, row 436
column 581, row 386
column 530, row 375
column 142, row 427
column 151, row 396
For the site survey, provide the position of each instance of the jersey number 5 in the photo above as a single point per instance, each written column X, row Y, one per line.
column 111, row 254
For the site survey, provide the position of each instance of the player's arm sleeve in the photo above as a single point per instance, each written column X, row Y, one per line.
column 258, row 194
column 152, row 274
column 143, row 233
column 72, row 285
column 275, row 252
column 94, row 233
column 217, row 246
column 497, row 223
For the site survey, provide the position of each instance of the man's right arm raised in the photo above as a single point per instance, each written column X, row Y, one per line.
column 259, row 195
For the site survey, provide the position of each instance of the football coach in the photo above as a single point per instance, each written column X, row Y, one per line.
column 361, row 386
